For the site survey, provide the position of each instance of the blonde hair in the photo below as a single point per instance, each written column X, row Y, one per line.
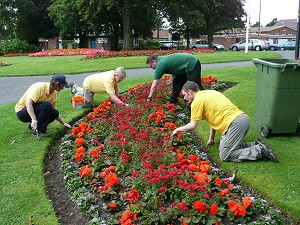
column 120, row 71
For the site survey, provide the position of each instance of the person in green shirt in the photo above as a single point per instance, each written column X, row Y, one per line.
column 223, row 116
column 182, row 67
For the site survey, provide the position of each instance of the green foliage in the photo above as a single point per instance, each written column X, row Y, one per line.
column 64, row 44
column 148, row 44
column 17, row 46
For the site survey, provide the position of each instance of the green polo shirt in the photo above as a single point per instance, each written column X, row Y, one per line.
column 175, row 64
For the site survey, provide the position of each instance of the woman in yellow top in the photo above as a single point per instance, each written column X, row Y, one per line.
column 103, row 82
column 38, row 103
column 223, row 116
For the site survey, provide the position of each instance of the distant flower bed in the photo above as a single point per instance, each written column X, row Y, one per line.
column 97, row 53
column 67, row 52
column 111, row 54
column 123, row 168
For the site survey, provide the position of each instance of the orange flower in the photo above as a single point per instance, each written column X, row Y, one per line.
column 180, row 157
column 224, row 192
column 113, row 205
column 80, row 141
column 200, row 177
column 80, row 150
column 213, row 209
column 85, row 171
column 201, row 206
column 246, row 201
column 112, row 179
column 193, row 167
column 218, row 181
column 204, row 168
column 126, row 218
column 194, row 158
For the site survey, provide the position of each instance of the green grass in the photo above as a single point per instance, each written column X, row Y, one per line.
column 22, row 188
column 33, row 66
column 278, row 183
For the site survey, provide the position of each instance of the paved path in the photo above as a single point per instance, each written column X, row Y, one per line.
column 12, row 88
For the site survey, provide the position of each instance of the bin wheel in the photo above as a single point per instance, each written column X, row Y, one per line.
column 265, row 130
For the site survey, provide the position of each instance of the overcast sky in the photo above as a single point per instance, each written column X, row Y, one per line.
column 270, row 9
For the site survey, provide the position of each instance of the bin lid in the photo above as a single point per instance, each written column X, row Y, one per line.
column 280, row 63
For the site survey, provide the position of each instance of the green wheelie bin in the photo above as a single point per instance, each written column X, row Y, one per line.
column 277, row 100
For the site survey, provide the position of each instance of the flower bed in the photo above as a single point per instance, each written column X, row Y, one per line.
column 110, row 54
column 67, row 52
column 123, row 168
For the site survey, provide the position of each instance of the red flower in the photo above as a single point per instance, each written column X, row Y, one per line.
column 213, row 209
column 218, row 181
column 201, row 206
column 162, row 189
column 113, row 205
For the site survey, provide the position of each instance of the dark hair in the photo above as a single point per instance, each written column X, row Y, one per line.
column 190, row 85
column 151, row 57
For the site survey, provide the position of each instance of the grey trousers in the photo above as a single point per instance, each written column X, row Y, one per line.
column 88, row 98
column 231, row 146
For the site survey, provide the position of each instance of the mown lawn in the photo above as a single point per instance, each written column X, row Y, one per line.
column 22, row 189
column 33, row 66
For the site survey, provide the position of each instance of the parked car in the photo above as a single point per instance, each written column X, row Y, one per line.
column 168, row 46
column 289, row 45
column 253, row 44
column 204, row 44
column 273, row 47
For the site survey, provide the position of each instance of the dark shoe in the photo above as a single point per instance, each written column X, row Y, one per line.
column 266, row 151
column 40, row 134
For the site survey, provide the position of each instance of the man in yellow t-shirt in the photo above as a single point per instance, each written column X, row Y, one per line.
column 38, row 103
column 103, row 82
column 223, row 116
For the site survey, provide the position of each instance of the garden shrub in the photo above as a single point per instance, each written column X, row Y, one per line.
column 17, row 46
column 148, row 44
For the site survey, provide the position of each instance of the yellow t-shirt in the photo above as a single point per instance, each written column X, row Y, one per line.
column 38, row 92
column 215, row 108
column 101, row 82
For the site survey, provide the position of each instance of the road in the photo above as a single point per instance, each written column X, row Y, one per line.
column 12, row 88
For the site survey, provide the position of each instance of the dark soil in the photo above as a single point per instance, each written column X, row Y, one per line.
column 60, row 197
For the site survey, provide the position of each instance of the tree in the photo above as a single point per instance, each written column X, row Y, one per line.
column 204, row 17
column 256, row 24
column 221, row 15
column 272, row 23
column 7, row 19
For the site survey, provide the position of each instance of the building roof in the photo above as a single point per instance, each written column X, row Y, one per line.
column 291, row 23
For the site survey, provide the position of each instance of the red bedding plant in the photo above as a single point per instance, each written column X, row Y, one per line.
column 123, row 167
column 110, row 54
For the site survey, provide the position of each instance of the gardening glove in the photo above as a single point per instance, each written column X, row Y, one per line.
column 33, row 124
column 67, row 125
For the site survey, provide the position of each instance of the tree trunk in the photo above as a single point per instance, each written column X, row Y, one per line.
column 127, row 29
column 210, row 39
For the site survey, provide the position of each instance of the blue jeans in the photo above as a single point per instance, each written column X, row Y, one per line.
column 45, row 114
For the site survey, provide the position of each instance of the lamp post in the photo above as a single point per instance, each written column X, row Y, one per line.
column 298, row 34
column 258, row 30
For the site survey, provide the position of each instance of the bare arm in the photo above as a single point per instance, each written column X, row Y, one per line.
column 30, row 110
column 211, row 139
column 154, row 86
column 188, row 127
column 116, row 99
